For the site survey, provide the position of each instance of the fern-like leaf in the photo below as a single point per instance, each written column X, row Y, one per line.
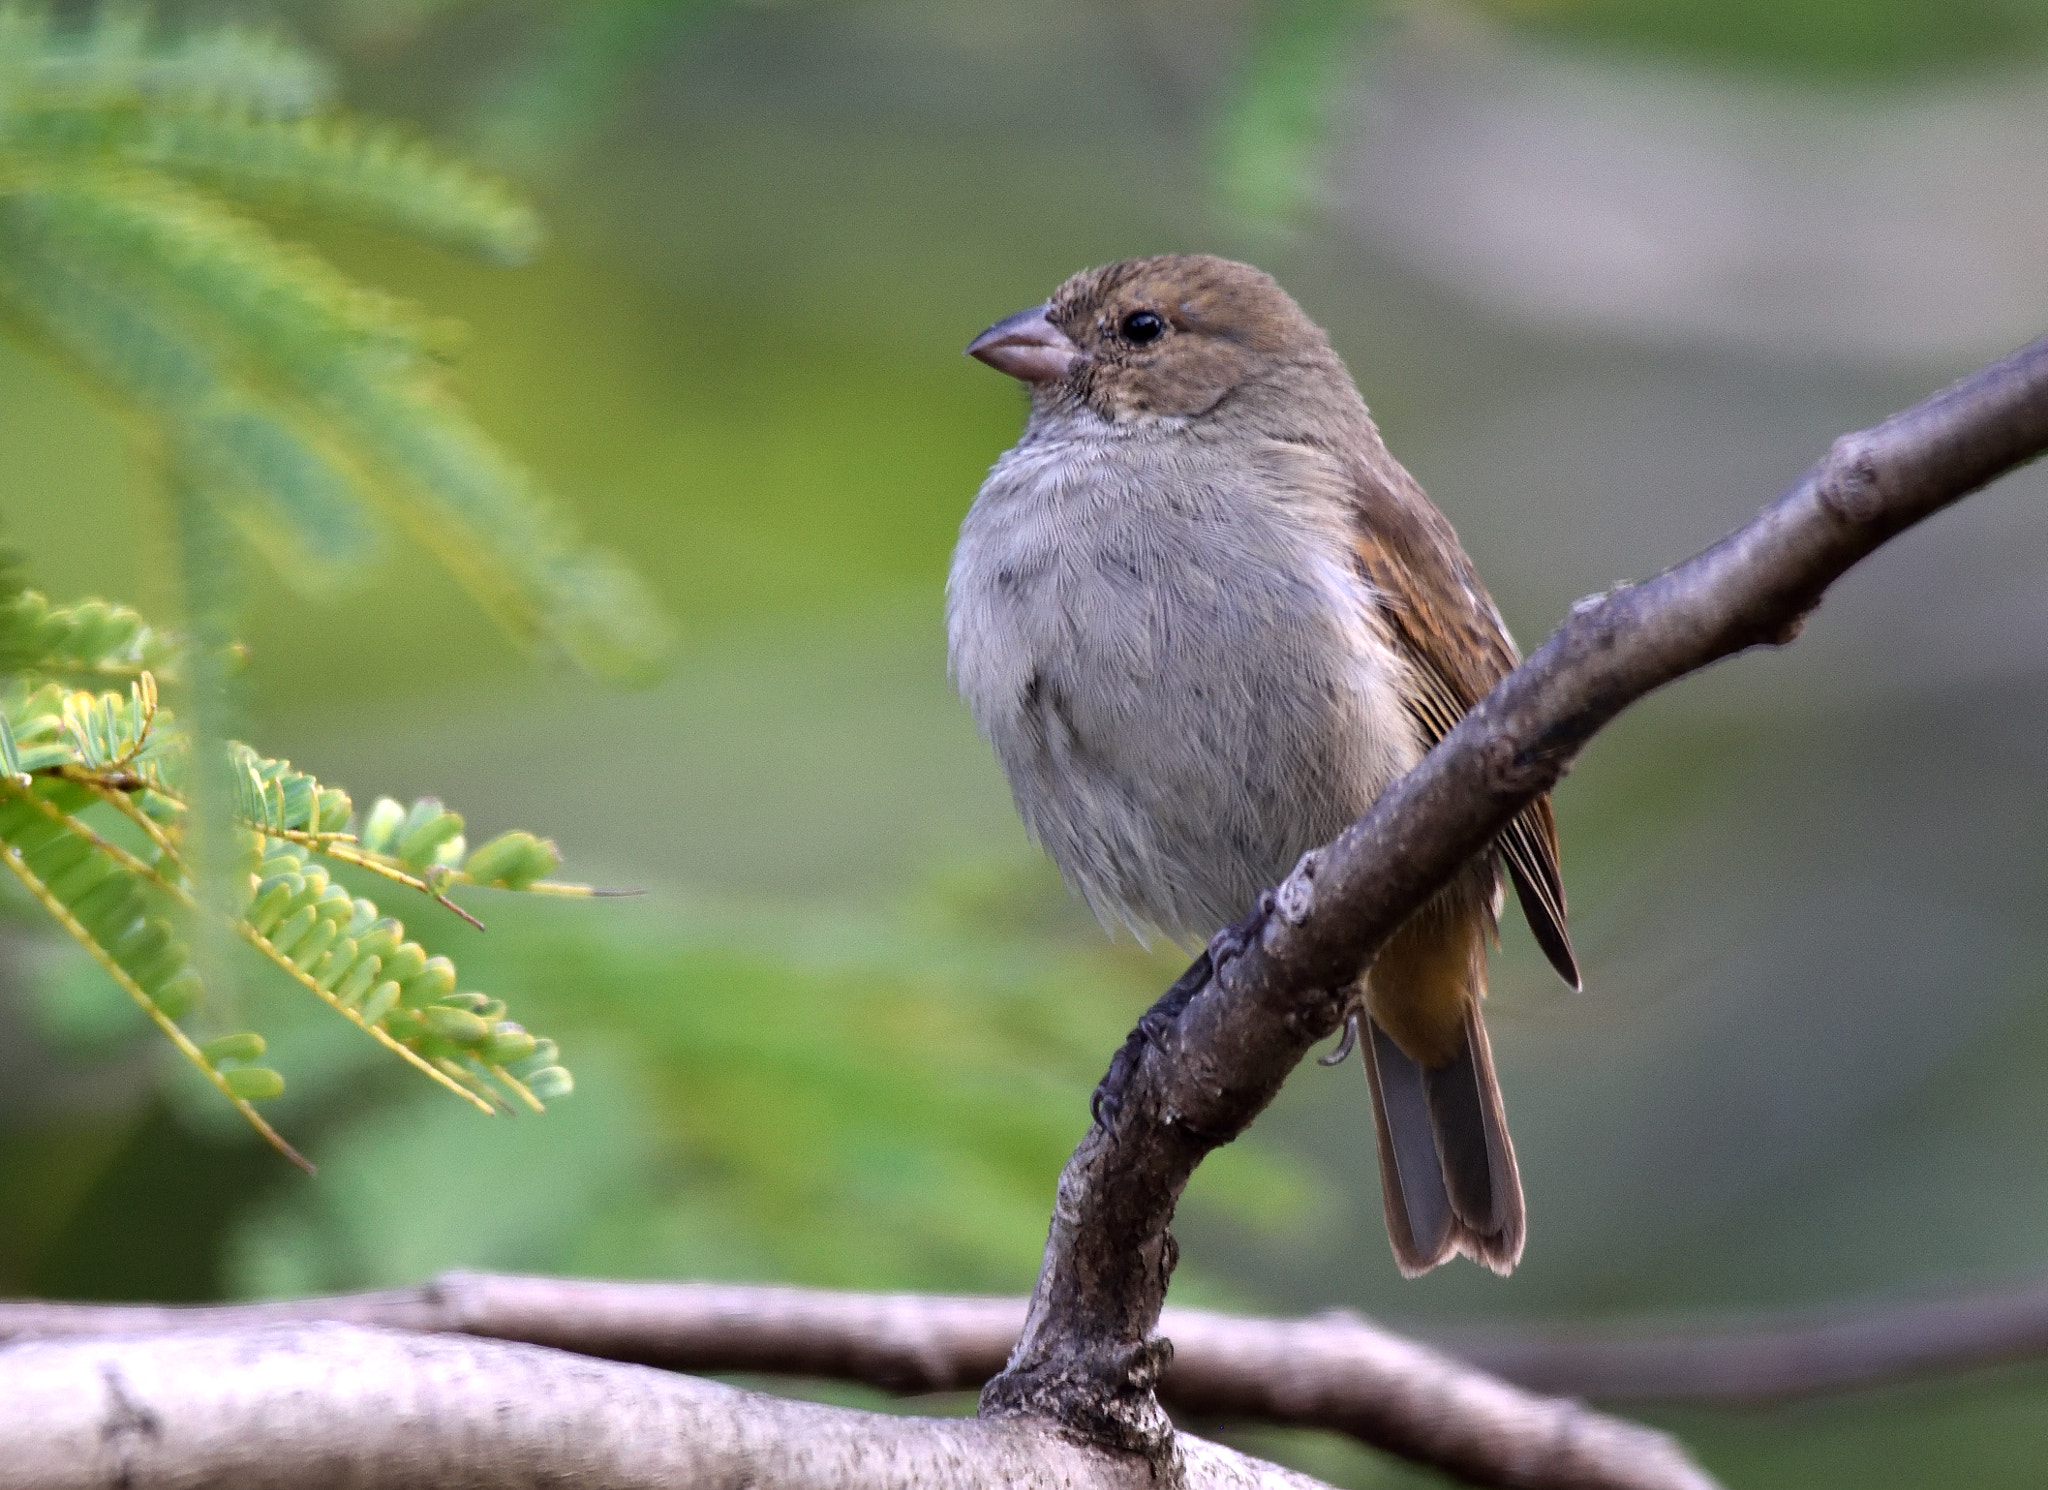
column 82, row 771
column 258, row 456
column 114, row 906
column 355, row 359
column 114, row 58
column 372, row 174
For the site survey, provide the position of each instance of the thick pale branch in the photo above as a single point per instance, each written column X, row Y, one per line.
column 908, row 1343
column 1316, row 1373
column 1217, row 1049
column 307, row 1407
column 1336, row 1372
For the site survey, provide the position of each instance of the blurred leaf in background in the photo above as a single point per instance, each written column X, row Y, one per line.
column 1276, row 121
column 559, row 84
column 308, row 409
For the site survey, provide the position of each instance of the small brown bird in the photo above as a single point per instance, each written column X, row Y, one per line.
column 1205, row 618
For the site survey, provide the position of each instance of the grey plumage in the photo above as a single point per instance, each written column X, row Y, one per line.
column 1187, row 690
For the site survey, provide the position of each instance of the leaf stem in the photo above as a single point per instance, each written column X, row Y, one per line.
column 62, row 914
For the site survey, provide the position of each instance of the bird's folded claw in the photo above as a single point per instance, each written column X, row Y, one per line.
column 1345, row 1042
column 1228, row 944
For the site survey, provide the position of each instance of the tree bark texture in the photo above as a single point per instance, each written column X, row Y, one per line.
column 1324, row 1372
column 1338, row 1372
column 309, row 1407
column 1215, row 1050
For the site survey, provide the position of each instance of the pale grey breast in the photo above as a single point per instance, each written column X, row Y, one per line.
column 1186, row 688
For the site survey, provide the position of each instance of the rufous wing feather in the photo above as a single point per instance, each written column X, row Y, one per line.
column 1458, row 648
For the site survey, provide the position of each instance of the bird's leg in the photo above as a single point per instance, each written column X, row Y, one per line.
column 1152, row 1026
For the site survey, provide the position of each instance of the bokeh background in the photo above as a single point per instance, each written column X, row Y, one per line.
column 1611, row 273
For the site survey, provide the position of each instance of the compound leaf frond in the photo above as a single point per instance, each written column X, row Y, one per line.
column 70, row 755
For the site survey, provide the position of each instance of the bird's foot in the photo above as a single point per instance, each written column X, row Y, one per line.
column 1151, row 1027
column 1225, row 946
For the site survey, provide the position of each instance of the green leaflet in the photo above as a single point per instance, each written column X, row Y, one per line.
column 127, row 917
column 108, row 734
column 245, row 1046
column 92, row 637
column 513, row 861
column 254, row 1083
column 270, row 794
column 113, row 57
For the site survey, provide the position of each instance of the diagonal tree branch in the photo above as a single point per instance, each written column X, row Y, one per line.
column 1217, row 1047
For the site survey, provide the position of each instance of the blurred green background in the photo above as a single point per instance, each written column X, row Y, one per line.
column 1611, row 272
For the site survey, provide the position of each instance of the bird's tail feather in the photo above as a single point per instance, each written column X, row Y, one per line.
column 1447, row 1166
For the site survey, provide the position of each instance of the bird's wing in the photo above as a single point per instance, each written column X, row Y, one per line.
column 1458, row 647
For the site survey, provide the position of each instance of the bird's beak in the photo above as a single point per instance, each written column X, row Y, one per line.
column 1027, row 346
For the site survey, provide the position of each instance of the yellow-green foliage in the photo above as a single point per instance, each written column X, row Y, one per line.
column 93, row 810
column 313, row 411
column 94, row 639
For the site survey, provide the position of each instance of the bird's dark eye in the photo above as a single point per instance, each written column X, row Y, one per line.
column 1142, row 326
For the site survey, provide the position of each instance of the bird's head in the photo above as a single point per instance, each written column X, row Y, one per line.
column 1168, row 338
